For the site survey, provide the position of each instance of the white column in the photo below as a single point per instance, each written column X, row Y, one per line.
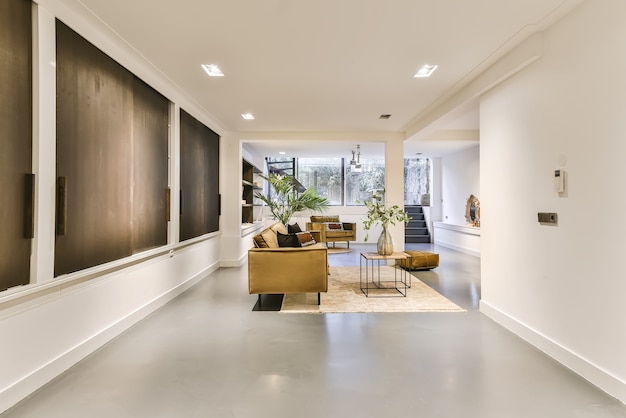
column 394, row 186
column 44, row 143
column 230, row 188
column 173, row 229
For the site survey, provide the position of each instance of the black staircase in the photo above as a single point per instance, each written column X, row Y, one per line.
column 416, row 230
column 285, row 167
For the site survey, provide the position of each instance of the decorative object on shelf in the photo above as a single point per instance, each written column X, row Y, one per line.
column 472, row 211
column 378, row 213
column 355, row 165
column 286, row 200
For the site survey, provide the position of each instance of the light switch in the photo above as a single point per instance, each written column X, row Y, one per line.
column 547, row 217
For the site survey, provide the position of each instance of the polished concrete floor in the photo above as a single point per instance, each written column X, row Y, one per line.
column 208, row 354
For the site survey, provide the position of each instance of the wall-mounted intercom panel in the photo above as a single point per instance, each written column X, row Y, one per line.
column 559, row 181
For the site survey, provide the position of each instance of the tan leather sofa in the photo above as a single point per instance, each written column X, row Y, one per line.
column 280, row 270
column 332, row 229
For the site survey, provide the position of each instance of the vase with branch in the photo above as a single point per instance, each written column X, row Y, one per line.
column 379, row 213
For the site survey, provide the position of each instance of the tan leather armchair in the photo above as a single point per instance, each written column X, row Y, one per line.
column 331, row 229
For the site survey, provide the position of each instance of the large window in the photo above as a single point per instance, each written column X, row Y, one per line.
column 361, row 183
column 416, row 181
column 324, row 175
column 334, row 179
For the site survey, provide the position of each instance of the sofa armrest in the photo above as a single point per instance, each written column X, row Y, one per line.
column 349, row 226
column 326, row 236
column 316, row 226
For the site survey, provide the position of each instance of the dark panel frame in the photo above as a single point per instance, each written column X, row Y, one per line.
column 199, row 165
column 112, row 142
column 16, row 182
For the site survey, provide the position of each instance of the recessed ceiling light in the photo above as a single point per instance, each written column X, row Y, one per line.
column 425, row 71
column 212, row 70
column 247, row 116
column 282, row 152
column 384, row 116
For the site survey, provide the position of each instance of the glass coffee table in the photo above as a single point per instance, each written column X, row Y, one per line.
column 369, row 275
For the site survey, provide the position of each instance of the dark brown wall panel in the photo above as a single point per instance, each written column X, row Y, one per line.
column 114, row 178
column 199, row 163
column 94, row 119
column 15, row 140
column 150, row 174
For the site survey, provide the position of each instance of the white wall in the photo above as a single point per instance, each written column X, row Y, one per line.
column 561, row 287
column 465, row 239
column 49, row 328
column 460, row 178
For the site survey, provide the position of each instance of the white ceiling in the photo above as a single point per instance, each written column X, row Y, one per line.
column 328, row 65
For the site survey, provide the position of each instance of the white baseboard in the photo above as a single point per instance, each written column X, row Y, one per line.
column 18, row 391
column 458, row 248
column 600, row 378
column 234, row 263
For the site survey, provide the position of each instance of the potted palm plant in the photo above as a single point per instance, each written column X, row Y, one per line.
column 287, row 200
column 378, row 213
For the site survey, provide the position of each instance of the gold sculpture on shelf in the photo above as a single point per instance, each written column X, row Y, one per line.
column 472, row 211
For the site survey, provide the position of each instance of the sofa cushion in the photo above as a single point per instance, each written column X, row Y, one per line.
column 259, row 241
column 332, row 218
column 288, row 240
column 306, row 238
column 279, row 227
column 269, row 235
column 294, row 228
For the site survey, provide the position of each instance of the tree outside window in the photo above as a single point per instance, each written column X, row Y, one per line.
column 325, row 175
column 360, row 185
column 416, row 180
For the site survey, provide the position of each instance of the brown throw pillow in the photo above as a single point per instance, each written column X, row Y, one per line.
column 279, row 227
column 305, row 238
column 259, row 241
column 270, row 238
column 334, row 226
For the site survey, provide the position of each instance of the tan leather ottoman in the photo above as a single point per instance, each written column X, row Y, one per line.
column 420, row 260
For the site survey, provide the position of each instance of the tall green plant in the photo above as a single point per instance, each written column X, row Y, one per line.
column 286, row 200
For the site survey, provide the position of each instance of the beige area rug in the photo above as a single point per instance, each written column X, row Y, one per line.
column 345, row 295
